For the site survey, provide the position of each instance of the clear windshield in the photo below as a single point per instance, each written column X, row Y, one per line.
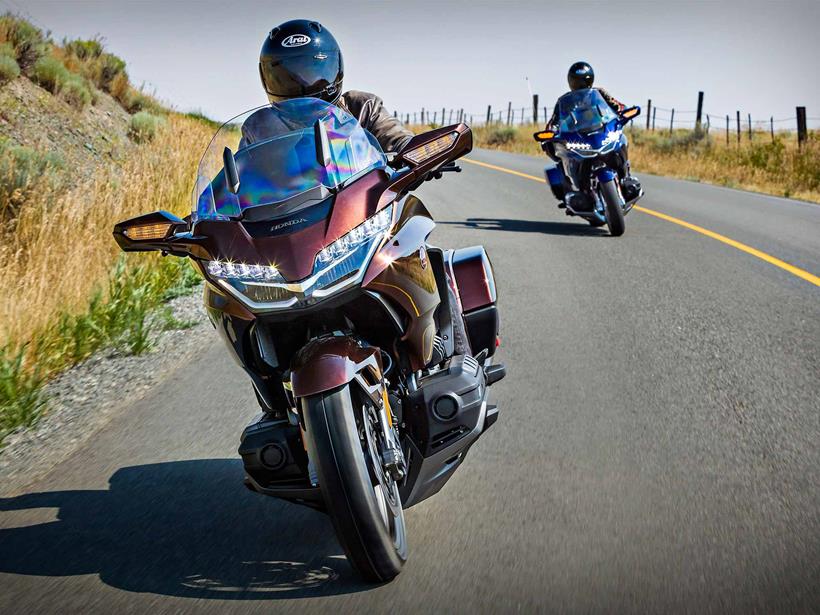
column 275, row 148
column 583, row 111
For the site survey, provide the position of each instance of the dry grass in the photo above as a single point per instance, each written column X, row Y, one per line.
column 777, row 168
column 66, row 289
column 59, row 249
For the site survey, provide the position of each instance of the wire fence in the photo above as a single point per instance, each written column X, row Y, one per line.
column 655, row 118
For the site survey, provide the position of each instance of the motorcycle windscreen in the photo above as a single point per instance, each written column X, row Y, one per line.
column 276, row 156
column 583, row 111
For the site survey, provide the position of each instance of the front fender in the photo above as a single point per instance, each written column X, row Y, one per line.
column 330, row 362
column 605, row 174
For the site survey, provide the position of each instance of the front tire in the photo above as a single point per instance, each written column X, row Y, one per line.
column 614, row 208
column 366, row 514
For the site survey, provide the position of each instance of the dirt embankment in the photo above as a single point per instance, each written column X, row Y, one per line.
column 82, row 140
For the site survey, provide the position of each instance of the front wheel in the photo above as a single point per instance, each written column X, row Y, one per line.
column 363, row 501
column 614, row 208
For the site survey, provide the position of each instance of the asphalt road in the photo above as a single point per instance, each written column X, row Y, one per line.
column 657, row 449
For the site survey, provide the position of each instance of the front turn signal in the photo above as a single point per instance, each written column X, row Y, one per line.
column 544, row 135
column 631, row 112
column 417, row 155
column 147, row 232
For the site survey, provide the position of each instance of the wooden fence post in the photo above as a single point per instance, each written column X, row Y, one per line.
column 727, row 129
column 750, row 127
column 771, row 126
column 435, row 116
column 708, row 123
column 450, row 118
column 802, row 128
column 522, row 115
column 700, row 111
column 738, row 127
column 648, row 112
column 535, row 108
column 509, row 113
column 489, row 113
column 671, row 120
column 546, row 117
column 654, row 112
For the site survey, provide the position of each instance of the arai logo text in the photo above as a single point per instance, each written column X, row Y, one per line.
column 296, row 40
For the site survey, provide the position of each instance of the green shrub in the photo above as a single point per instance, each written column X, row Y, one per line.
column 75, row 92
column 127, row 319
column 500, row 135
column 9, row 69
column 21, row 168
column 136, row 101
column 84, row 50
column 144, row 126
column 50, row 73
column 109, row 67
column 21, row 398
column 200, row 116
column 89, row 59
column 28, row 41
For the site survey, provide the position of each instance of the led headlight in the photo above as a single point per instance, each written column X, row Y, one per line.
column 243, row 272
column 576, row 145
column 338, row 266
column 613, row 136
column 347, row 244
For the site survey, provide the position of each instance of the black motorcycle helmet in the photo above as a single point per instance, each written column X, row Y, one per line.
column 580, row 76
column 301, row 58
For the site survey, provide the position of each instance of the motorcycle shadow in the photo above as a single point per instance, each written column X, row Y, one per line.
column 184, row 528
column 531, row 226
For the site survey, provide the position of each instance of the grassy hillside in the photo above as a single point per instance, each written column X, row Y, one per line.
column 772, row 167
column 80, row 148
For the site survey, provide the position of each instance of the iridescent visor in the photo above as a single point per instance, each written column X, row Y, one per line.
column 277, row 157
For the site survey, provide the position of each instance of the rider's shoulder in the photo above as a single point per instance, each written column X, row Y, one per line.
column 257, row 115
column 354, row 100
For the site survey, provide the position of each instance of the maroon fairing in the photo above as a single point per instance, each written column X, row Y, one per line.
column 330, row 362
column 473, row 277
column 293, row 253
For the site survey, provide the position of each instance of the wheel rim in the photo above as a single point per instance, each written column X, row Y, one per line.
column 385, row 489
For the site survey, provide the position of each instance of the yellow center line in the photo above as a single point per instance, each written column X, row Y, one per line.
column 800, row 273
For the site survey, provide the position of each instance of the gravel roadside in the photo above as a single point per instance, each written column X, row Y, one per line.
column 88, row 396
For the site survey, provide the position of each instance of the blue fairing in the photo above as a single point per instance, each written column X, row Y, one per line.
column 603, row 141
column 605, row 174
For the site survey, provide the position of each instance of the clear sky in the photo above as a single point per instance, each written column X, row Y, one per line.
column 759, row 58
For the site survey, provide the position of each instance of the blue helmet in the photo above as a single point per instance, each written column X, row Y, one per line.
column 580, row 76
column 301, row 58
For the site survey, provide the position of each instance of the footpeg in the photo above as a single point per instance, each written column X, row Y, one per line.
column 494, row 373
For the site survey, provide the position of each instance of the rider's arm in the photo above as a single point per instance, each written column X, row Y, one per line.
column 613, row 102
column 369, row 109
column 553, row 121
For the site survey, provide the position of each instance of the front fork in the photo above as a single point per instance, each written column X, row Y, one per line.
column 392, row 457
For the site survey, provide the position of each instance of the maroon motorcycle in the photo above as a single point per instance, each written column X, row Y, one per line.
column 370, row 351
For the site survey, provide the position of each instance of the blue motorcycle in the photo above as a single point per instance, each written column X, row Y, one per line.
column 593, row 180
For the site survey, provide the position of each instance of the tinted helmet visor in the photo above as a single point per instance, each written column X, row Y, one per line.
column 316, row 74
